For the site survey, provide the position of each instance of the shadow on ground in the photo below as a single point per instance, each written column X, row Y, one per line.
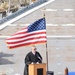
column 5, row 54
column 4, row 60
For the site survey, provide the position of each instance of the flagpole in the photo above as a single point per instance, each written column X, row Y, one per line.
column 47, row 57
column 46, row 52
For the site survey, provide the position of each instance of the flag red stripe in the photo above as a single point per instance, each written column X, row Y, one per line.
column 27, row 44
column 37, row 38
column 24, row 30
column 32, row 34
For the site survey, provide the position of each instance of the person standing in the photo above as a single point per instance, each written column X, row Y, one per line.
column 32, row 57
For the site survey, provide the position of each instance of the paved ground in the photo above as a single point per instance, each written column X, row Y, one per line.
column 61, row 39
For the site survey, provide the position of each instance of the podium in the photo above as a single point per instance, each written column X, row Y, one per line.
column 37, row 69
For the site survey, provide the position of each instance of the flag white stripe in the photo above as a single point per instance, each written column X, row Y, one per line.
column 20, row 35
column 30, row 41
column 29, row 33
column 24, row 30
column 24, row 38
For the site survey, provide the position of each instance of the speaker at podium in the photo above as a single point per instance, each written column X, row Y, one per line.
column 37, row 69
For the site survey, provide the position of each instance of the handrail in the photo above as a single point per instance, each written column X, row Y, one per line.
column 23, row 10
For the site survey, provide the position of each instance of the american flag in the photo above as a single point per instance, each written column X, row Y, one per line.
column 33, row 34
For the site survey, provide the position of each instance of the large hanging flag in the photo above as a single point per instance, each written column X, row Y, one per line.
column 33, row 34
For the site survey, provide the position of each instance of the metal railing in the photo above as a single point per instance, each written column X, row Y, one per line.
column 23, row 10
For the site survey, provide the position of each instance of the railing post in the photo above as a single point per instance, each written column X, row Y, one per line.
column 66, row 71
